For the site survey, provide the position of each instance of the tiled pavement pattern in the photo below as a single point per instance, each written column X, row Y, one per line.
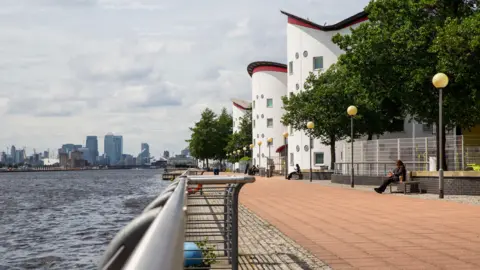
column 354, row 229
column 261, row 246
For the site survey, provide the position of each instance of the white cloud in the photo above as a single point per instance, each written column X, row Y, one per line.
column 141, row 68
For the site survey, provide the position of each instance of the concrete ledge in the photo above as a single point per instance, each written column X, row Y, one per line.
column 449, row 174
column 317, row 175
column 361, row 180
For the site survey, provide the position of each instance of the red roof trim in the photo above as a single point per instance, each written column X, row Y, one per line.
column 355, row 19
column 239, row 106
column 269, row 68
column 280, row 149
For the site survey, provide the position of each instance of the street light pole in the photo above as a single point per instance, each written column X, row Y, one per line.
column 440, row 81
column 285, row 136
column 259, row 154
column 310, row 126
column 352, row 111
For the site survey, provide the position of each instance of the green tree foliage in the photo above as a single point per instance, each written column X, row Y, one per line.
column 210, row 135
column 403, row 46
column 240, row 139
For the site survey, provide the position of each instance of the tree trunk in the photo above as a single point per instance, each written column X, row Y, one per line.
column 437, row 131
column 332, row 152
column 370, row 136
column 208, row 167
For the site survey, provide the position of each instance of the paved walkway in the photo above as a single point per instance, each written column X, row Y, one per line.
column 353, row 229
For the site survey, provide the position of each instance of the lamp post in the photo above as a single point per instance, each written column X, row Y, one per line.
column 259, row 154
column 244, row 151
column 440, row 81
column 310, row 125
column 285, row 136
column 352, row 111
column 251, row 150
column 269, row 143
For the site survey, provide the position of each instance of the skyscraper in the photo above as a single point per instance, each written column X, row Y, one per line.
column 113, row 147
column 166, row 154
column 144, row 153
column 92, row 145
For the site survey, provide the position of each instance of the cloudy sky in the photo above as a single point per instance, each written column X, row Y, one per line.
column 144, row 69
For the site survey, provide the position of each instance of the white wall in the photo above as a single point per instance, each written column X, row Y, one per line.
column 315, row 43
column 265, row 85
column 237, row 113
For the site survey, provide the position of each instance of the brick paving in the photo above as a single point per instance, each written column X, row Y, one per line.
column 354, row 229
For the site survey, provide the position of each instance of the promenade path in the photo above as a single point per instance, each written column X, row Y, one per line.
column 353, row 229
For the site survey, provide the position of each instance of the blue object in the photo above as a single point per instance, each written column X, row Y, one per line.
column 192, row 254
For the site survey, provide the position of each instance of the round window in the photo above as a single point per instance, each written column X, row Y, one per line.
column 257, row 96
column 297, row 86
column 258, row 136
column 262, row 95
column 298, row 148
column 306, row 148
column 305, row 54
column 262, row 116
column 263, row 135
column 263, row 155
column 258, row 117
column 258, row 155
column 296, row 55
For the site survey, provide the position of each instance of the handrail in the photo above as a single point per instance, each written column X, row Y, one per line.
column 162, row 245
column 382, row 162
column 208, row 179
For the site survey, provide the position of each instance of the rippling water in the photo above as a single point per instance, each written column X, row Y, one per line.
column 65, row 220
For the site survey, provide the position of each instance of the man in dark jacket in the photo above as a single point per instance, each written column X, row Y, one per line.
column 399, row 174
column 297, row 171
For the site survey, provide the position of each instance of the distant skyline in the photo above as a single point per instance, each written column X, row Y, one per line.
column 75, row 68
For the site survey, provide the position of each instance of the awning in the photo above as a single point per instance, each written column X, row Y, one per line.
column 280, row 149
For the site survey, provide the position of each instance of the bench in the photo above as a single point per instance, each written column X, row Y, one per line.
column 406, row 183
column 297, row 176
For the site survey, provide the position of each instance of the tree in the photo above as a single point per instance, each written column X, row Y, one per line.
column 396, row 57
column 202, row 141
column 242, row 138
column 224, row 128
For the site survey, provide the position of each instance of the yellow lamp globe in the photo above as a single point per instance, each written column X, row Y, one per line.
column 352, row 110
column 440, row 80
column 245, row 148
column 285, row 134
column 238, row 151
column 310, row 125
column 270, row 140
column 259, row 143
column 251, row 146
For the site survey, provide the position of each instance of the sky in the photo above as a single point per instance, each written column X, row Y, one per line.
column 144, row 69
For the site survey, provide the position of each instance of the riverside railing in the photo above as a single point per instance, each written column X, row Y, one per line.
column 187, row 210
column 375, row 168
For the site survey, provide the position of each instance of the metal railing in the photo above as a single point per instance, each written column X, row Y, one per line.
column 374, row 168
column 184, row 211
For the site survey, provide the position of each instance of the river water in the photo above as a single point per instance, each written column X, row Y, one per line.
column 65, row 220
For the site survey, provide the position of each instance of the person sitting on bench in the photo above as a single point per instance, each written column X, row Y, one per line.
column 393, row 177
column 297, row 171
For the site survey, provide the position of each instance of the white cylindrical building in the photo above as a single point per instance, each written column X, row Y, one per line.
column 269, row 84
column 239, row 108
column 310, row 49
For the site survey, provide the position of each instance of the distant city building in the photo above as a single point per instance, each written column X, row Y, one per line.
column 63, row 159
column 185, row 152
column 86, row 155
column 69, row 147
column 113, row 147
column 46, row 154
column 13, row 154
column 181, row 161
column 166, row 154
column 127, row 160
column 144, row 156
column 76, row 159
column 92, row 145
column 3, row 158
column 19, row 156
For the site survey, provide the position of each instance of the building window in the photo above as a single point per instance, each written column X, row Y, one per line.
column 305, row 148
column 263, row 135
column 291, row 159
column 254, row 104
column 263, row 116
column 263, row 154
column 297, row 86
column 297, row 55
column 258, row 116
column 257, row 96
column 269, row 103
column 298, row 148
column 258, row 136
column 305, row 54
column 319, row 158
column 290, row 67
column 253, row 123
column 269, row 122
column 254, row 141
column 318, row 62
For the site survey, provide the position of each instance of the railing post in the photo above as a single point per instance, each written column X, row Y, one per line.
column 426, row 155
column 455, row 150
column 378, row 154
column 463, row 152
column 398, row 149
column 236, row 192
